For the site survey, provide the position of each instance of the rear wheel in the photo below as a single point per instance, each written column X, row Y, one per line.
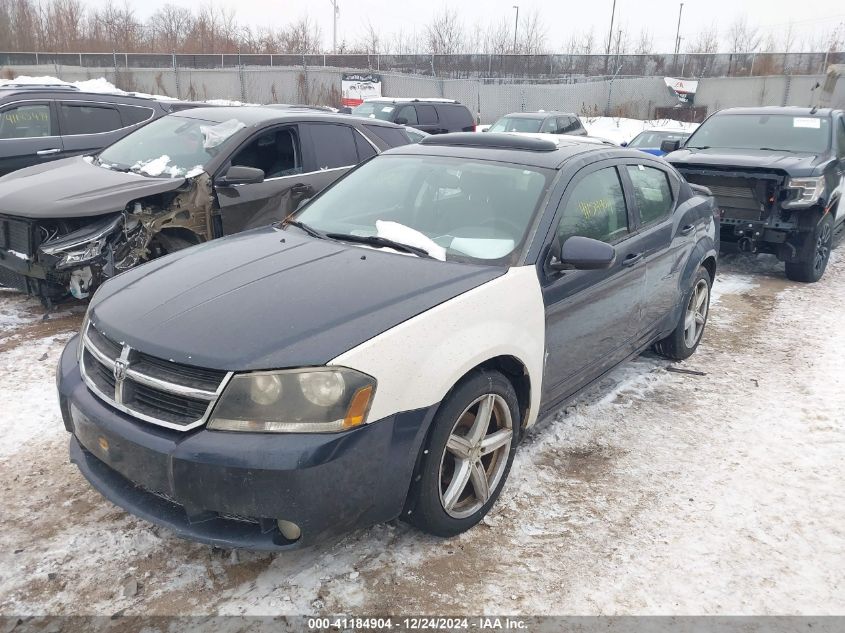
column 812, row 267
column 468, row 455
column 684, row 340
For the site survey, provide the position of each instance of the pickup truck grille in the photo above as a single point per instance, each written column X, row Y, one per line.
column 739, row 198
column 169, row 394
column 16, row 235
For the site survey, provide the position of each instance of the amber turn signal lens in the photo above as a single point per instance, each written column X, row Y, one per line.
column 357, row 411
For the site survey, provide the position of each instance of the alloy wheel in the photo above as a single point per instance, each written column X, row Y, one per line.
column 475, row 456
column 696, row 314
column 822, row 248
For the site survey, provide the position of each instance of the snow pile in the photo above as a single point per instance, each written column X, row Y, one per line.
column 99, row 85
column 619, row 130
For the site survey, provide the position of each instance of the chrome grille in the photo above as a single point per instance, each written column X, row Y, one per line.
column 169, row 394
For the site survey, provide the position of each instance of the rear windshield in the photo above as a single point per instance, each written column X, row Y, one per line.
column 516, row 124
column 803, row 134
column 374, row 110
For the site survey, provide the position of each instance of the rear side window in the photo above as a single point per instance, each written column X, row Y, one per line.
column 840, row 138
column 426, row 114
column 334, row 145
column 365, row 150
column 132, row 115
column 88, row 119
column 394, row 137
column 596, row 208
column 568, row 125
column 26, row 121
column 455, row 116
column 551, row 125
column 652, row 192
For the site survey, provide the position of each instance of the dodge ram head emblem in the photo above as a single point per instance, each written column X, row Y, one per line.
column 119, row 368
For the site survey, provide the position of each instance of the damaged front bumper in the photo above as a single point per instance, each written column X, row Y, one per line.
column 73, row 263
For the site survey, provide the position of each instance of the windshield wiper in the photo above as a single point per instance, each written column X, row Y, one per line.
column 694, row 147
column 777, row 149
column 380, row 242
column 304, row 227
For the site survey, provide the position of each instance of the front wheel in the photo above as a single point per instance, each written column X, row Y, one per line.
column 684, row 340
column 468, row 455
column 812, row 267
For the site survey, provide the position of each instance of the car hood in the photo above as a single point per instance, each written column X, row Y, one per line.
column 272, row 299
column 74, row 188
column 792, row 164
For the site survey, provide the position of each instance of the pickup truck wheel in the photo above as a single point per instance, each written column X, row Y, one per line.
column 812, row 267
column 468, row 455
column 684, row 340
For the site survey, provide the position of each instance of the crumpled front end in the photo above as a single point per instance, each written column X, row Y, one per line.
column 53, row 258
column 760, row 210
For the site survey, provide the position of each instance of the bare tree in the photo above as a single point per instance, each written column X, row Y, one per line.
column 742, row 37
column 445, row 34
column 372, row 43
column 645, row 43
column 532, row 34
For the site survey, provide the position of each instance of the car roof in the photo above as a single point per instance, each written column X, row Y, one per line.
column 540, row 114
column 261, row 115
column 787, row 110
column 12, row 89
column 411, row 100
column 508, row 148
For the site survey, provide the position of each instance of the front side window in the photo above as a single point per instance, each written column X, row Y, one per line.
column 88, row 119
column 426, row 114
column 274, row 152
column 596, row 208
column 805, row 134
column 516, row 124
column 26, row 121
column 409, row 114
column 652, row 192
column 477, row 211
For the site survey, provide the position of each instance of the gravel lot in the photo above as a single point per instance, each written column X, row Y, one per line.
column 655, row 493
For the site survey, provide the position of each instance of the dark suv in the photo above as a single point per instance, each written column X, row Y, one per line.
column 183, row 179
column 41, row 123
column 777, row 174
column 434, row 116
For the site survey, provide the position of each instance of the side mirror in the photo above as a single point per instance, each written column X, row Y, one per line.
column 623, row 144
column 580, row 253
column 401, row 121
column 669, row 146
column 240, row 175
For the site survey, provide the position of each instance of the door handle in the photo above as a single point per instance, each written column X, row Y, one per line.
column 689, row 228
column 632, row 259
column 300, row 189
column 47, row 152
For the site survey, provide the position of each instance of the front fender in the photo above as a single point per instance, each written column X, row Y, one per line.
column 416, row 363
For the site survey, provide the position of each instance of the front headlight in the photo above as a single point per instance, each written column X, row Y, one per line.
column 805, row 192
column 308, row 400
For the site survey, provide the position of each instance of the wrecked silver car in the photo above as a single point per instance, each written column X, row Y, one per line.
column 181, row 180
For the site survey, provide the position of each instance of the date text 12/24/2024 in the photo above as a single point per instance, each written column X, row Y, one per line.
column 420, row 623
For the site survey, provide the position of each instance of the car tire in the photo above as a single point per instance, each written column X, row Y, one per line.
column 684, row 340
column 458, row 447
column 812, row 267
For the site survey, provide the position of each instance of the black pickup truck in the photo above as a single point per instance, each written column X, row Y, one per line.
column 777, row 176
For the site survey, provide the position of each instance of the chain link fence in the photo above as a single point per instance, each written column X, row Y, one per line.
column 488, row 98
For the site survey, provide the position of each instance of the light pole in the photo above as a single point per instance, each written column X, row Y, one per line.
column 610, row 32
column 335, row 11
column 678, row 34
column 515, row 27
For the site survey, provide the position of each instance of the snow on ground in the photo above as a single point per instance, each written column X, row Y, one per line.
column 620, row 130
column 654, row 493
column 100, row 84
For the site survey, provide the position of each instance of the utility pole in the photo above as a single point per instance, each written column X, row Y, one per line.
column 335, row 11
column 610, row 32
column 678, row 33
column 515, row 27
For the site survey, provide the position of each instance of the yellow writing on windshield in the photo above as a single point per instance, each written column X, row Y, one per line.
column 592, row 208
column 25, row 116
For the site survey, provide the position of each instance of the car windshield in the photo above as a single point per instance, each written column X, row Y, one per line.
column 172, row 146
column 374, row 110
column 804, row 134
column 654, row 139
column 516, row 124
column 467, row 210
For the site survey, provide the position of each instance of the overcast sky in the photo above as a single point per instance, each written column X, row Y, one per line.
column 562, row 17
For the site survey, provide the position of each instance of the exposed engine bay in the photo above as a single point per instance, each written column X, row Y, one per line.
column 52, row 258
